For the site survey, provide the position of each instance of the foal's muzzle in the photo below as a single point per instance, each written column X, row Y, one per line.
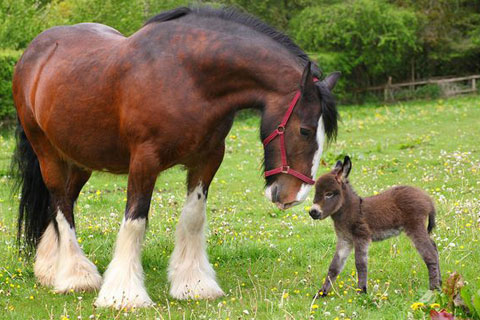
column 315, row 212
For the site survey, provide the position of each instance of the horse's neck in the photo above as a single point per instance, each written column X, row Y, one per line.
column 255, row 87
column 250, row 77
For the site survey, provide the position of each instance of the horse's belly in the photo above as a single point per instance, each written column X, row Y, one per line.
column 88, row 139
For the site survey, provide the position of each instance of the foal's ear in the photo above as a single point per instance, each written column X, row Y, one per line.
column 338, row 167
column 347, row 166
column 307, row 84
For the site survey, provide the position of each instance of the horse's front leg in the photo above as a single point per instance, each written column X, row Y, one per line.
column 123, row 284
column 190, row 274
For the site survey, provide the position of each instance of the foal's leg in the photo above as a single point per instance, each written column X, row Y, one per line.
column 438, row 263
column 361, row 262
column 344, row 247
column 190, row 273
column 429, row 253
column 123, row 285
column 59, row 260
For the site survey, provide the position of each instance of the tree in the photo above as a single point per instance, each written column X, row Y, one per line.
column 368, row 39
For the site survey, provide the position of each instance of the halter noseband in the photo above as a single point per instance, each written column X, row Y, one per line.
column 280, row 131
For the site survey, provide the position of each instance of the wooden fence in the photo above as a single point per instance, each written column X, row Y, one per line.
column 448, row 86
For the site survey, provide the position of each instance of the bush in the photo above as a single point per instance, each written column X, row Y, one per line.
column 370, row 39
column 8, row 58
column 21, row 20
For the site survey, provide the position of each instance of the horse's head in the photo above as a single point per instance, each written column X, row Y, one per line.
column 293, row 150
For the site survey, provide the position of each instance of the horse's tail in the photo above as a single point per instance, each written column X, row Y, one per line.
column 431, row 220
column 34, row 208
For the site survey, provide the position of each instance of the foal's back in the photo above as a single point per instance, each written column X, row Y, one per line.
column 396, row 209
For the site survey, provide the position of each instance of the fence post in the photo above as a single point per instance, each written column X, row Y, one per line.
column 386, row 90
column 474, row 85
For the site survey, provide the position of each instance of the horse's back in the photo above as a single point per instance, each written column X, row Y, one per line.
column 57, row 85
column 59, row 45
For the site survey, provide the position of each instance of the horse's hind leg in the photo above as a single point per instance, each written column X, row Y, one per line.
column 60, row 261
column 429, row 253
column 189, row 272
column 123, row 285
column 74, row 270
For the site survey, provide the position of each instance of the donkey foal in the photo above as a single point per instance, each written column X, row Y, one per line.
column 358, row 221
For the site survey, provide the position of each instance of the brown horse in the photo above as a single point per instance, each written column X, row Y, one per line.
column 89, row 98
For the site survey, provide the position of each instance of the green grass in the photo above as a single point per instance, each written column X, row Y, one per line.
column 269, row 262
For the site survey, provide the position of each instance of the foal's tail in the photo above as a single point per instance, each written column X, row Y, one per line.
column 431, row 220
column 34, row 208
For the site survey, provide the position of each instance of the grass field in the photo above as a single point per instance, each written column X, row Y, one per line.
column 270, row 262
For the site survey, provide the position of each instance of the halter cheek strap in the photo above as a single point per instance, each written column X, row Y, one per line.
column 280, row 131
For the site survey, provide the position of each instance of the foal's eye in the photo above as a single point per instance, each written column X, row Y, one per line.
column 328, row 195
column 305, row 132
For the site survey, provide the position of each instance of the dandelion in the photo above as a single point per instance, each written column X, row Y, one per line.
column 435, row 305
column 417, row 305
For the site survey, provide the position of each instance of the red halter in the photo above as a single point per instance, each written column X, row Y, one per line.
column 280, row 131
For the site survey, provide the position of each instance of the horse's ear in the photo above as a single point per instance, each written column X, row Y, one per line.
column 307, row 84
column 347, row 166
column 331, row 80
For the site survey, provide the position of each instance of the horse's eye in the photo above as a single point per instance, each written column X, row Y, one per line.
column 329, row 195
column 305, row 132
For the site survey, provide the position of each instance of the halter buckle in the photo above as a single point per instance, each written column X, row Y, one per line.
column 285, row 169
column 281, row 129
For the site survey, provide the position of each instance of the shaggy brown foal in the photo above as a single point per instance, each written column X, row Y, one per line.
column 358, row 221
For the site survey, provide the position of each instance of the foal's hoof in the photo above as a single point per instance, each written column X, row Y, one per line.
column 320, row 294
column 362, row 290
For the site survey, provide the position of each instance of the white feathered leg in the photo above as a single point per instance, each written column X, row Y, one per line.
column 123, row 285
column 190, row 274
column 73, row 270
column 45, row 267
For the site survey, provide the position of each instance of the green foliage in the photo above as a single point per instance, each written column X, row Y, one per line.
column 8, row 58
column 21, row 22
column 471, row 297
column 369, row 39
column 449, row 35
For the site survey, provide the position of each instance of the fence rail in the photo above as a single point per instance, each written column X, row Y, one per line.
column 443, row 83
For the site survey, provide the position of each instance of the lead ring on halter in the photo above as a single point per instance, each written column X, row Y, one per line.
column 280, row 131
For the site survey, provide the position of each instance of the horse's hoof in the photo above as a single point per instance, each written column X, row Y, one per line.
column 195, row 288
column 82, row 276
column 118, row 297
column 123, row 301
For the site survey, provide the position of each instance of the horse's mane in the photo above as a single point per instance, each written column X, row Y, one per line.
column 229, row 14
column 234, row 15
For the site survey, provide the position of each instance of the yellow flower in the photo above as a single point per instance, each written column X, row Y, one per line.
column 285, row 295
column 417, row 305
column 315, row 306
column 435, row 305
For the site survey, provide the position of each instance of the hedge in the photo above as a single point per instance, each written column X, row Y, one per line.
column 8, row 58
